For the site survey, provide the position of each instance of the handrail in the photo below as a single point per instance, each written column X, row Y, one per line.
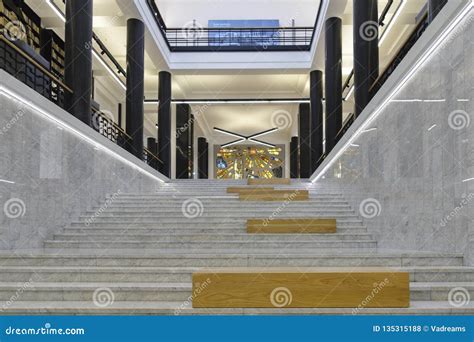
column 275, row 28
column 38, row 65
column 152, row 154
column 397, row 54
column 345, row 123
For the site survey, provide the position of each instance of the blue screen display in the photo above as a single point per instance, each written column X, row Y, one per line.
column 267, row 36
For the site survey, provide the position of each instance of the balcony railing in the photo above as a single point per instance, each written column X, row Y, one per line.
column 238, row 39
column 17, row 61
column 201, row 39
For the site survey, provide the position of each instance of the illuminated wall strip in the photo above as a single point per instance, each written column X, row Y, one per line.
column 26, row 102
column 392, row 21
column 374, row 114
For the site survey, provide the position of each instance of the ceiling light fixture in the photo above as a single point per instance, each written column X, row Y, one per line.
column 242, row 138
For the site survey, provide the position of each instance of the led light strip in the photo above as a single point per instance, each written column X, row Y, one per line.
column 107, row 67
column 13, row 95
column 428, row 53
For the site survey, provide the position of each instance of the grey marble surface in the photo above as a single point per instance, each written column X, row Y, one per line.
column 414, row 163
column 49, row 175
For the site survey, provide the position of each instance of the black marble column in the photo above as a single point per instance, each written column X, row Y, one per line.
column 151, row 146
column 184, row 141
column 294, row 154
column 333, row 81
column 316, row 96
column 164, row 122
column 434, row 7
column 304, row 126
column 78, row 59
column 135, row 85
column 203, row 158
column 366, row 51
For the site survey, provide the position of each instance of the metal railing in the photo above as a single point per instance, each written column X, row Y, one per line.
column 400, row 55
column 151, row 159
column 21, row 65
column 236, row 39
column 196, row 38
column 25, row 68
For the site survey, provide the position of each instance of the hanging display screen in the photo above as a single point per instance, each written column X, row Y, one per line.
column 239, row 33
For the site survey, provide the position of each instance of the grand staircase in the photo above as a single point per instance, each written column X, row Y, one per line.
column 136, row 254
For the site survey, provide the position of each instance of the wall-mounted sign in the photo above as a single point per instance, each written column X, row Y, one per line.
column 244, row 32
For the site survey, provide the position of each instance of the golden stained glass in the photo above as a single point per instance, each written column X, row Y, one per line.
column 242, row 162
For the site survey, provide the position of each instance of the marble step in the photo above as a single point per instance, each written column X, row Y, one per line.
column 212, row 192
column 216, row 232
column 77, row 291
column 216, row 219
column 210, row 245
column 221, row 200
column 436, row 274
column 184, row 308
column 224, row 206
column 275, row 258
column 346, row 214
column 138, row 291
column 167, row 237
column 220, row 206
column 439, row 291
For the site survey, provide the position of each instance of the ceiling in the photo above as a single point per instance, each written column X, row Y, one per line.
column 110, row 25
column 178, row 13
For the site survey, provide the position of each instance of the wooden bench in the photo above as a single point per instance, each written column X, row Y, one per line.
column 292, row 226
column 301, row 288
